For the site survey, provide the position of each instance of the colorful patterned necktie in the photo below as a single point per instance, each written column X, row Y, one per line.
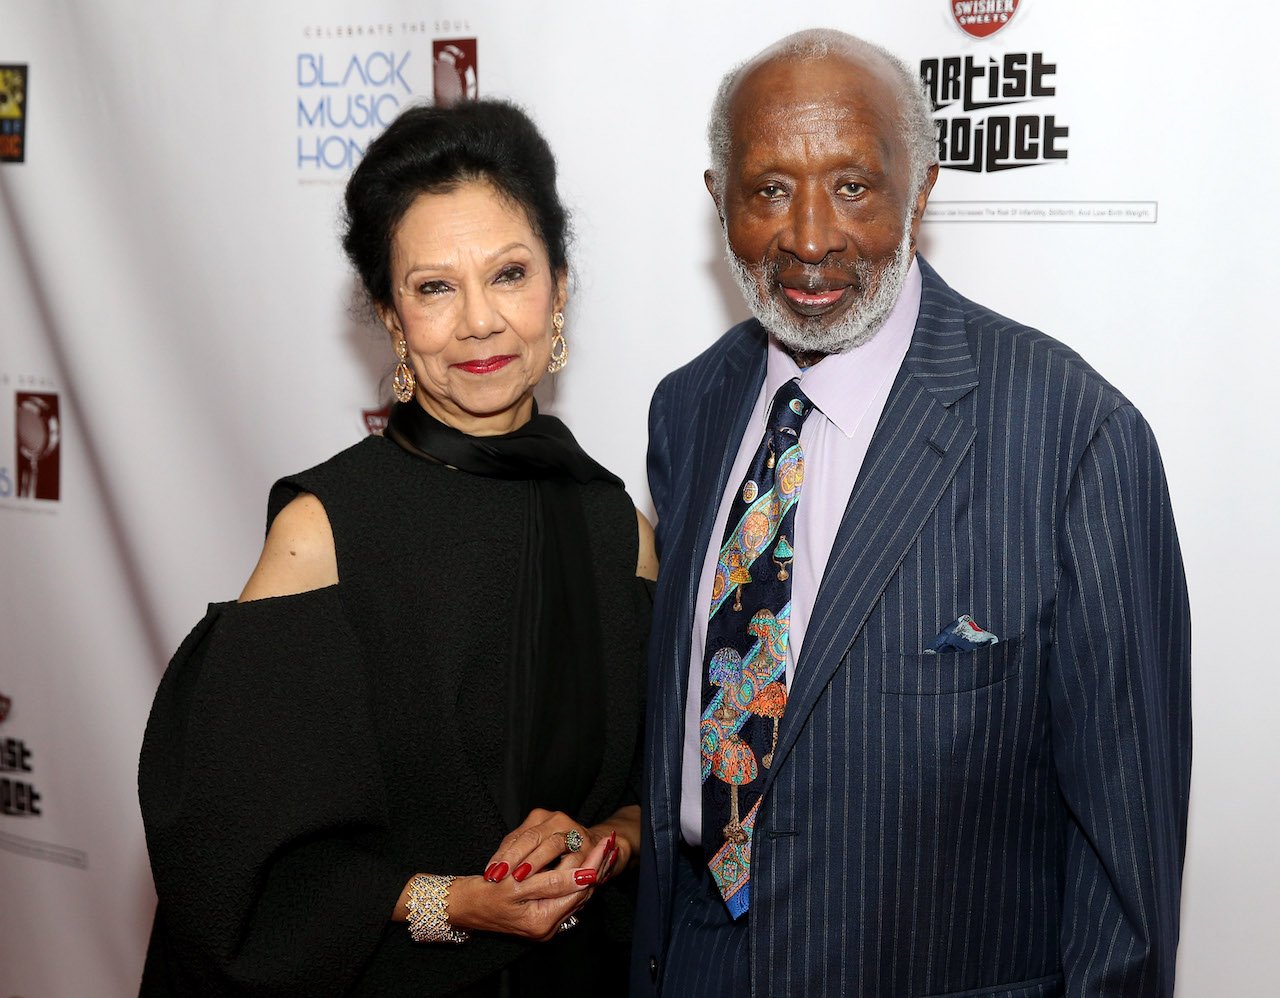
column 745, row 690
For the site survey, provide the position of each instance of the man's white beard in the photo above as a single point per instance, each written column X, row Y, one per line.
column 878, row 292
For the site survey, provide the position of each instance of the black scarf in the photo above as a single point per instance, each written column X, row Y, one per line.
column 554, row 700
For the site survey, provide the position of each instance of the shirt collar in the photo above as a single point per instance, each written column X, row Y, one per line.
column 842, row 385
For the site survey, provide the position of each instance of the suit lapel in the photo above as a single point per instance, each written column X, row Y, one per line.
column 915, row 453
column 718, row 421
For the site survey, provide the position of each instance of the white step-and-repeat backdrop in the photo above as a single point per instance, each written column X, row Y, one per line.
column 176, row 331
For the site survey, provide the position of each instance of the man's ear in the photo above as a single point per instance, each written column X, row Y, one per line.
column 709, row 179
column 922, row 199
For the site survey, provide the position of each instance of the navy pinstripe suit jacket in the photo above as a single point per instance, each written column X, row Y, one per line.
column 1008, row 821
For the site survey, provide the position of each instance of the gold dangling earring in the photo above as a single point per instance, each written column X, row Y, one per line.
column 559, row 348
column 403, row 381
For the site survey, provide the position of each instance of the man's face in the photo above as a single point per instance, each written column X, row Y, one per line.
column 820, row 215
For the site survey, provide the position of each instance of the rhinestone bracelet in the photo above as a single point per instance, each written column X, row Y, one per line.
column 428, row 905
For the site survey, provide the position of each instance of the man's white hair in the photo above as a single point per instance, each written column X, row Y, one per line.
column 915, row 112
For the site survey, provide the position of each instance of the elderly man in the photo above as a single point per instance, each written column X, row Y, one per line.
column 919, row 696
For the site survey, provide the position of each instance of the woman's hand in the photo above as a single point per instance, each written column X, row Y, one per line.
column 545, row 837
column 534, row 906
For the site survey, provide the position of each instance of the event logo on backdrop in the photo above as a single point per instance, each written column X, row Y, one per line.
column 37, row 440
column 455, row 71
column 13, row 114
column 996, row 112
column 983, row 18
column 21, row 801
column 375, row 420
column 18, row 795
column 32, row 467
column 352, row 79
column 990, row 112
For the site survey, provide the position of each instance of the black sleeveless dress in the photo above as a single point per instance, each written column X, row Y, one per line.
column 307, row 754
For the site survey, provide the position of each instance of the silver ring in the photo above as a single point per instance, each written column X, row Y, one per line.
column 572, row 840
column 568, row 923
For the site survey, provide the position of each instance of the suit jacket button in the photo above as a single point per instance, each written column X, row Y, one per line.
column 653, row 969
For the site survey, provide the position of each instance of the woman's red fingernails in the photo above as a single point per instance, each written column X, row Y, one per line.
column 488, row 873
column 581, row 877
column 520, row 872
column 500, row 871
column 613, row 840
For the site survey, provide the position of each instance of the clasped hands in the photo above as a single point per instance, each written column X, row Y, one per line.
column 532, row 883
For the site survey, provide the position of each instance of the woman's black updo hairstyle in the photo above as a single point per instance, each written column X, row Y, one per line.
column 432, row 150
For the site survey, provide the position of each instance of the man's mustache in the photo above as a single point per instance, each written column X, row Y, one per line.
column 815, row 277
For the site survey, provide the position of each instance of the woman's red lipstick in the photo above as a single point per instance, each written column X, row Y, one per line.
column 487, row 365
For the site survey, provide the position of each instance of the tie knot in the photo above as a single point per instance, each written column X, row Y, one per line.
column 790, row 408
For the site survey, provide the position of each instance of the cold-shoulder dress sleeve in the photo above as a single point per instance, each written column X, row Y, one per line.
column 264, row 807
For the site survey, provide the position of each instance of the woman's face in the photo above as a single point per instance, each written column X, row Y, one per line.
column 473, row 293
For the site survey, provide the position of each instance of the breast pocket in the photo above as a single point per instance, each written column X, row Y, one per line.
column 933, row 674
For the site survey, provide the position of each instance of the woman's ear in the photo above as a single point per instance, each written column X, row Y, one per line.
column 560, row 299
column 389, row 319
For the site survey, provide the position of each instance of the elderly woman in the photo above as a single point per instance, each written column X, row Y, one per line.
column 404, row 762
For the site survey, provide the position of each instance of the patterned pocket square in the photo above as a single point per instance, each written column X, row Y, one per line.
column 962, row 634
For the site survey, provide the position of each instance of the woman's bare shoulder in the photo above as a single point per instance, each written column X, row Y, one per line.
column 298, row 555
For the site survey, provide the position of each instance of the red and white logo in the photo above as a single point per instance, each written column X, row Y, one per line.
column 38, row 433
column 983, row 18
column 375, row 420
column 455, row 70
